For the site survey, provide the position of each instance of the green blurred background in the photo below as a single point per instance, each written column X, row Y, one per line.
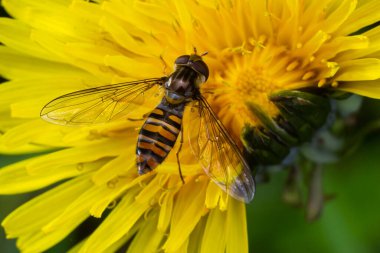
column 350, row 222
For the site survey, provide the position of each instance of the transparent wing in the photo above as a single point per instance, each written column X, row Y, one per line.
column 218, row 154
column 102, row 104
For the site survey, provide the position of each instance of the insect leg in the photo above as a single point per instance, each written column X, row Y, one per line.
column 177, row 155
column 142, row 118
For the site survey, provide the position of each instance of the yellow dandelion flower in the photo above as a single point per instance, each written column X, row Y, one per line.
column 255, row 49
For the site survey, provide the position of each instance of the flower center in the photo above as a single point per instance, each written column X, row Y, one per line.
column 243, row 80
column 253, row 81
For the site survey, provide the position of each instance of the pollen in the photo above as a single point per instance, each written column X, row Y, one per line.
column 246, row 79
column 308, row 75
column 251, row 81
column 334, row 84
column 321, row 83
column 293, row 65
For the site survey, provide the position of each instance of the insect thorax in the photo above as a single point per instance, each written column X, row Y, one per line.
column 182, row 85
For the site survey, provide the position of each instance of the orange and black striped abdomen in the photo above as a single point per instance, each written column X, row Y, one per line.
column 158, row 135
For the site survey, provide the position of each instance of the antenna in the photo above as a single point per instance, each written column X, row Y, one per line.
column 195, row 52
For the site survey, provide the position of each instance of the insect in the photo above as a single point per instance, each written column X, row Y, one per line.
column 216, row 151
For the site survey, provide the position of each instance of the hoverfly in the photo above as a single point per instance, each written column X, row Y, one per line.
column 216, row 151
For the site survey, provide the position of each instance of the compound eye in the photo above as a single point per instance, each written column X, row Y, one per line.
column 201, row 67
column 183, row 59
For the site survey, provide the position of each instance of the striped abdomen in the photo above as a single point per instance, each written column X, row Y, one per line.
column 158, row 135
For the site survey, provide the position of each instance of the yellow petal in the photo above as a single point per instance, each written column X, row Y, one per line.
column 117, row 224
column 42, row 209
column 139, row 25
column 186, row 214
column 346, row 45
column 160, row 9
column 52, row 18
column 24, row 6
column 117, row 245
column 123, row 36
column 118, row 166
column 195, row 240
column 28, row 109
column 25, row 149
column 6, row 146
column 117, row 187
column 236, row 228
column 40, row 134
column 224, row 200
column 182, row 249
column 373, row 38
column 214, row 236
column 16, row 35
column 26, row 133
column 148, row 193
column 36, row 88
column 166, row 211
column 147, row 230
column 15, row 178
column 15, row 65
column 170, row 166
column 341, row 13
column 90, row 52
column 212, row 195
column 314, row 44
column 77, row 247
column 359, row 69
column 184, row 16
column 365, row 88
column 84, row 202
column 86, row 10
column 288, row 35
column 133, row 67
column 363, row 16
column 77, row 155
